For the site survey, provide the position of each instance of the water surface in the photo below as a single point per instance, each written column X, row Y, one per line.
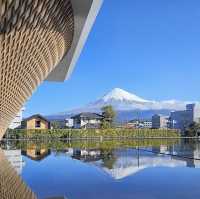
column 144, row 169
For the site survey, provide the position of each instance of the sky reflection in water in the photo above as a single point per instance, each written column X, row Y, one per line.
column 96, row 172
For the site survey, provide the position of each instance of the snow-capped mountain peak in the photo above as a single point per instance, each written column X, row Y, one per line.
column 123, row 101
column 122, row 95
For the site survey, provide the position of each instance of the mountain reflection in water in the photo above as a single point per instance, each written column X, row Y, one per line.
column 92, row 169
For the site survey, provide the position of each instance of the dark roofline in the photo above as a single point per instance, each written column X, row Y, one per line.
column 36, row 116
column 140, row 120
column 89, row 115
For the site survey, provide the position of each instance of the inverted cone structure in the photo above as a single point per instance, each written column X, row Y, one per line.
column 34, row 37
column 39, row 40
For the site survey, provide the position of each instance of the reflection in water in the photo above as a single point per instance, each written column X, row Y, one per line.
column 35, row 153
column 107, row 170
column 11, row 185
column 15, row 159
column 130, row 161
column 123, row 162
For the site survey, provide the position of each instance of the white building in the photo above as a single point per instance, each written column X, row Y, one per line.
column 139, row 124
column 87, row 120
column 69, row 122
column 147, row 124
column 159, row 121
column 18, row 119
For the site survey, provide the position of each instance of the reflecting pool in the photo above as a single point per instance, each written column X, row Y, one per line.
column 142, row 169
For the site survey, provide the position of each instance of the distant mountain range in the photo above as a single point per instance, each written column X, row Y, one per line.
column 127, row 105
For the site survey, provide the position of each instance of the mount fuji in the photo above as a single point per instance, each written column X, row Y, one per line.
column 128, row 106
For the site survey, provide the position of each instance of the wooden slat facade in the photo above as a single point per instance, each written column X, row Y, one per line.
column 34, row 37
column 11, row 185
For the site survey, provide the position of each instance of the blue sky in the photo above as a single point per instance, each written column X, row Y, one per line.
column 150, row 48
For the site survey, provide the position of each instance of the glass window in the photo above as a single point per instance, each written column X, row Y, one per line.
column 37, row 124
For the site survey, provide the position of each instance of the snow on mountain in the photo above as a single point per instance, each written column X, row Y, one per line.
column 123, row 101
column 126, row 163
column 120, row 100
column 122, row 95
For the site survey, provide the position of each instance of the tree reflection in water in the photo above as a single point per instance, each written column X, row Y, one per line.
column 117, row 159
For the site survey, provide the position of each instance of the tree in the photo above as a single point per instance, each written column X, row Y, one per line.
column 109, row 115
column 105, row 124
column 55, row 125
column 193, row 129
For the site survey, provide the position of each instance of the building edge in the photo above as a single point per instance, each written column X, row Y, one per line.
column 84, row 18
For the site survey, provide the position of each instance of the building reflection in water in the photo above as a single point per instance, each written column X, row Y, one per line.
column 189, row 152
column 121, row 163
column 117, row 163
column 11, row 165
column 35, row 153
column 11, row 184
